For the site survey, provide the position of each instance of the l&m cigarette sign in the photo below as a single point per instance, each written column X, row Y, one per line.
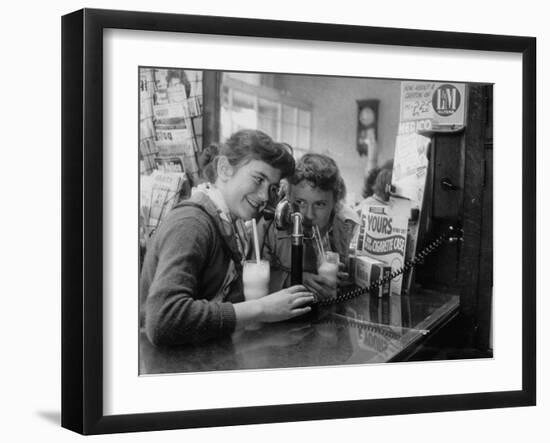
column 446, row 100
column 432, row 106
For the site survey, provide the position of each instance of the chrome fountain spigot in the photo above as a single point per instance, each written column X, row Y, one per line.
column 297, row 249
column 285, row 218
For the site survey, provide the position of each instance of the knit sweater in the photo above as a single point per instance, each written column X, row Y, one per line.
column 183, row 276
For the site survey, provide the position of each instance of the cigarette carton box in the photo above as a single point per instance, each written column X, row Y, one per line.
column 369, row 270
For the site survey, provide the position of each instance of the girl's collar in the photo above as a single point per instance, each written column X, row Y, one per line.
column 217, row 198
column 233, row 230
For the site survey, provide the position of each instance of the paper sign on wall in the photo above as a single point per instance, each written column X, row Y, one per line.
column 410, row 166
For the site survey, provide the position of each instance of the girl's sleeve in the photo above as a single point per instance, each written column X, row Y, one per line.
column 173, row 314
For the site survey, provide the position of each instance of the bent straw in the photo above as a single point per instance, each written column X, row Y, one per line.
column 256, row 242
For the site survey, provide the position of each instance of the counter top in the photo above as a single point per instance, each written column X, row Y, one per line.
column 364, row 330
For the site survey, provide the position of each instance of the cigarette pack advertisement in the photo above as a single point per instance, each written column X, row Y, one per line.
column 384, row 237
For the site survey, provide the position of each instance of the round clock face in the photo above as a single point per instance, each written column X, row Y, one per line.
column 366, row 116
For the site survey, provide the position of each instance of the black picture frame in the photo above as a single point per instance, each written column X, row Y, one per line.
column 82, row 218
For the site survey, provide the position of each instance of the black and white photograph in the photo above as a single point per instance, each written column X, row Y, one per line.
column 295, row 220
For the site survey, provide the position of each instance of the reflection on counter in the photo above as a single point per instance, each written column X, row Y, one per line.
column 364, row 330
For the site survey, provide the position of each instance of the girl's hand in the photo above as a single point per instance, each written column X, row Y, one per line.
column 287, row 303
column 343, row 276
column 321, row 286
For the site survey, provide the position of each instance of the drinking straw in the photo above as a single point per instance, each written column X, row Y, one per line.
column 316, row 238
column 320, row 242
column 256, row 242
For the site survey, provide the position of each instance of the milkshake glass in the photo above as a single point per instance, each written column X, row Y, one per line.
column 255, row 279
column 255, row 283
column 328, row 267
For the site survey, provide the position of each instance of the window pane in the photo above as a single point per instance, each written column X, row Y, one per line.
column 243, row 113
column 268, row 126
column 289, row 114
column 268, row 109
column 303, row 138
column 304, row 118
column 268, row 116
column 225, row 123
column 289, row 134
column 243, row 119
column 242, row 100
